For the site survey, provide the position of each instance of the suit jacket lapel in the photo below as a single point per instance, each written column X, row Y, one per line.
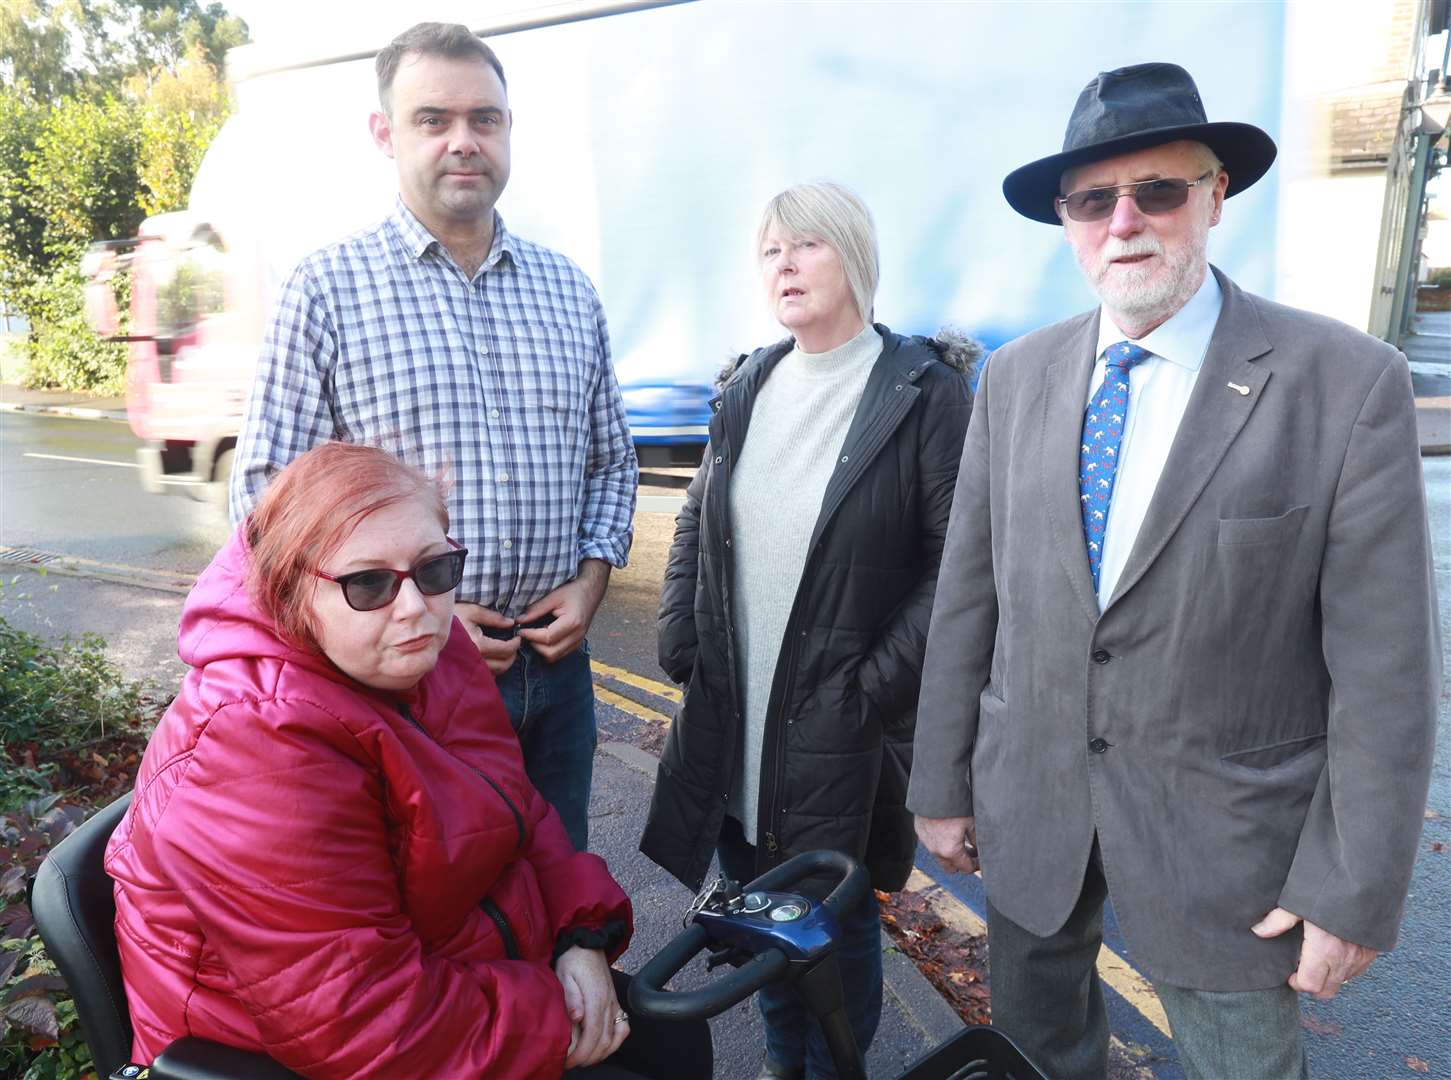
column 1065, row 392
column 1216, row 413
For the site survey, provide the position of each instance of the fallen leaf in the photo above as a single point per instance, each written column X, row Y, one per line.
column 1438, row 847
column 35, row 986
column 8, row 960
column 1418, row 1065
column 1431, row 815
column 1320, row 1027
column 12, row 882
column 35, row 1015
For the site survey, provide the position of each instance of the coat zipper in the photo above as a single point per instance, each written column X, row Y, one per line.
column 518, row 817
column 501, row 923
column 491, row 909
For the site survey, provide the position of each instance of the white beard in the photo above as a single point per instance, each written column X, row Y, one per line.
column 1149, row 292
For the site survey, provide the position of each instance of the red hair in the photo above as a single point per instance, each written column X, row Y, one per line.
column 309, row 509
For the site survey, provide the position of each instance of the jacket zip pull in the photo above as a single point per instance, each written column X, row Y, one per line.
column 771, row 843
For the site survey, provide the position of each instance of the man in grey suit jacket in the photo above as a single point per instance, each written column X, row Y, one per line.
column 1184, row 650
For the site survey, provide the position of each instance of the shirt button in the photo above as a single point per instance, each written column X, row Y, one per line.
column 483, row 350
column 503, row 478
column 719, row 460
column 508, row 545
column 1101, row 656
column 494, row 413
column 1098, row 746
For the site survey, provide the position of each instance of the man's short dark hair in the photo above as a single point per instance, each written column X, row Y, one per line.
column 451, row 40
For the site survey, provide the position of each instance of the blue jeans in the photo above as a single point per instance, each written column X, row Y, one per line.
column 793, row 1037
column 552, row 709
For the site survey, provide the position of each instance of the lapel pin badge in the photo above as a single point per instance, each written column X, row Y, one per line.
column 1242, row 391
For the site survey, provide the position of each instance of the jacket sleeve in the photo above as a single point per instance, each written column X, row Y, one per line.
column 1381, row 640
column 288, row 411
column 891, row 672
column 961, row 632
column 579, row 893
column 297, row 899
column 676, row 627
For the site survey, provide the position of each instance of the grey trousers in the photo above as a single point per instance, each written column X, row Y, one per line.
column 1047, row 998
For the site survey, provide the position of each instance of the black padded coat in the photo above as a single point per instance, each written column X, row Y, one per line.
column 842, row 710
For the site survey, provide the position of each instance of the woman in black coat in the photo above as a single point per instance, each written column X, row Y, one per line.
column 798, row 593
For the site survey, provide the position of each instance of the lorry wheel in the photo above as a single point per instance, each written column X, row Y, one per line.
column 221, row 481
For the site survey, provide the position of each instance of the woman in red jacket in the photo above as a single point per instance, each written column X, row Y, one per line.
column 333, row 855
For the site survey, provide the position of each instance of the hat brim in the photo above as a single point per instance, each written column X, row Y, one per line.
column 1246, row 152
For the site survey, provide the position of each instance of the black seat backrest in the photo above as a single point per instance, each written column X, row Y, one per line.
column 75, row 909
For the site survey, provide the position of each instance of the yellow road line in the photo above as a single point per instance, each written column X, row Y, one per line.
column 634, row 708
column 1112, row 968
column 639, row 682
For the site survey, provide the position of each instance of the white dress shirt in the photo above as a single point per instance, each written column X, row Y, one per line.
column 1159, row 390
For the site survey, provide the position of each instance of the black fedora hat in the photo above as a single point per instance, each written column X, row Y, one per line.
column 1130, row 109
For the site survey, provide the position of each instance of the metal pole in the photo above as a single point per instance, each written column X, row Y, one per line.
column 1403, row 304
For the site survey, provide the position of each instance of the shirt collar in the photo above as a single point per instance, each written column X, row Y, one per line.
column 419, row 241
column 1183, row 339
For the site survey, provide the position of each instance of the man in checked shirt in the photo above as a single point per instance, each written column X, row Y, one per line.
column 441, row 332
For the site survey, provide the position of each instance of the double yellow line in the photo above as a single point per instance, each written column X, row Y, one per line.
column 1113, row 969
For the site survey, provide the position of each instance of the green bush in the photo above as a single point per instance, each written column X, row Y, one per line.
column 71, row 732
column 61, row 697
column 61, row 350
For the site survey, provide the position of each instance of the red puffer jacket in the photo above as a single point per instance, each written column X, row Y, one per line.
column 329, row 873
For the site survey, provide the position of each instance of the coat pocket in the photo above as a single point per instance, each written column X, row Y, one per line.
column 1261, row 530
column 1273, row 755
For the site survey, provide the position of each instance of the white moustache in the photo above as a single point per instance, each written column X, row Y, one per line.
column 1143, row 244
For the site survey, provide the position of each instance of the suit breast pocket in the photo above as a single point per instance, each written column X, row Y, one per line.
column 1240, row 532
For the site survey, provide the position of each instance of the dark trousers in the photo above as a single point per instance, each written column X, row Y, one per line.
column 552, row 710
column 1047, row 998
column 793, row 1036
column 654, row 1049
column 1046, row 995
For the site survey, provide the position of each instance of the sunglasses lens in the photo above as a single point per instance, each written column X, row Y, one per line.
column 370, row 589
column 1161, row 196
column 1091, row 205
column 440, row 575
column 1152, row 197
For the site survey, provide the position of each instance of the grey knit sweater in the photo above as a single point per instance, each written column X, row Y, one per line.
column 798, row 425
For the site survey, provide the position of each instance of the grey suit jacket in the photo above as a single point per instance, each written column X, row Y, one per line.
column 1265, row 676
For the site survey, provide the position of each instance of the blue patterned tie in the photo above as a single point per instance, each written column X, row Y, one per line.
column 1103, row 434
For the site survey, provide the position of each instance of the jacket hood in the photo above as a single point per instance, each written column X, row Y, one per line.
column 221, row 621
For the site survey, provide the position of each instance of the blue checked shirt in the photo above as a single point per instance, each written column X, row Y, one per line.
column 504, row 380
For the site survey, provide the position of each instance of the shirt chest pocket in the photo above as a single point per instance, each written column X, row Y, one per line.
column 556, row 368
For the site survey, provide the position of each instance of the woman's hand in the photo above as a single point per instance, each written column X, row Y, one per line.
column 589, row 998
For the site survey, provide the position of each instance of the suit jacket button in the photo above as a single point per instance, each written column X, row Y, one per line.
column 1098, row 746
column 1100, row 656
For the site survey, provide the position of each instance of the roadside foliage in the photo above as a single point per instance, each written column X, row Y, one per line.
column 106, row 108
column 72, row 731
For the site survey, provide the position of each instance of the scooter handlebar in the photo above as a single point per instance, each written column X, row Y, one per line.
column 851, row 888
column 648, row 997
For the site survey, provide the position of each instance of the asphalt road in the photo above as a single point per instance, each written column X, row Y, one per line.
column 66, row 488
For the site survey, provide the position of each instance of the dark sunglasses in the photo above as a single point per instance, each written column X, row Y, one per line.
column 368, row 590
column 1151, row 196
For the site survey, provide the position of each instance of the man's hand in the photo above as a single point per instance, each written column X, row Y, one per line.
column 589, row 997
column 499, row 655
column 573, row 606
column 952, row 840
column 1326, row 961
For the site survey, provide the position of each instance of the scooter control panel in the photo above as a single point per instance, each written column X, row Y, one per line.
column 755, row 921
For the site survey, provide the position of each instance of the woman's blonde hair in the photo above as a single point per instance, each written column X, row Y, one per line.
column 834, row 214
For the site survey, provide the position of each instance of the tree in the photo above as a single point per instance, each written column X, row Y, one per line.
column 106, row 108
column 62, row 48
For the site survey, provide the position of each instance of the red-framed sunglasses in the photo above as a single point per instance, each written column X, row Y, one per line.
column 369, row 590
